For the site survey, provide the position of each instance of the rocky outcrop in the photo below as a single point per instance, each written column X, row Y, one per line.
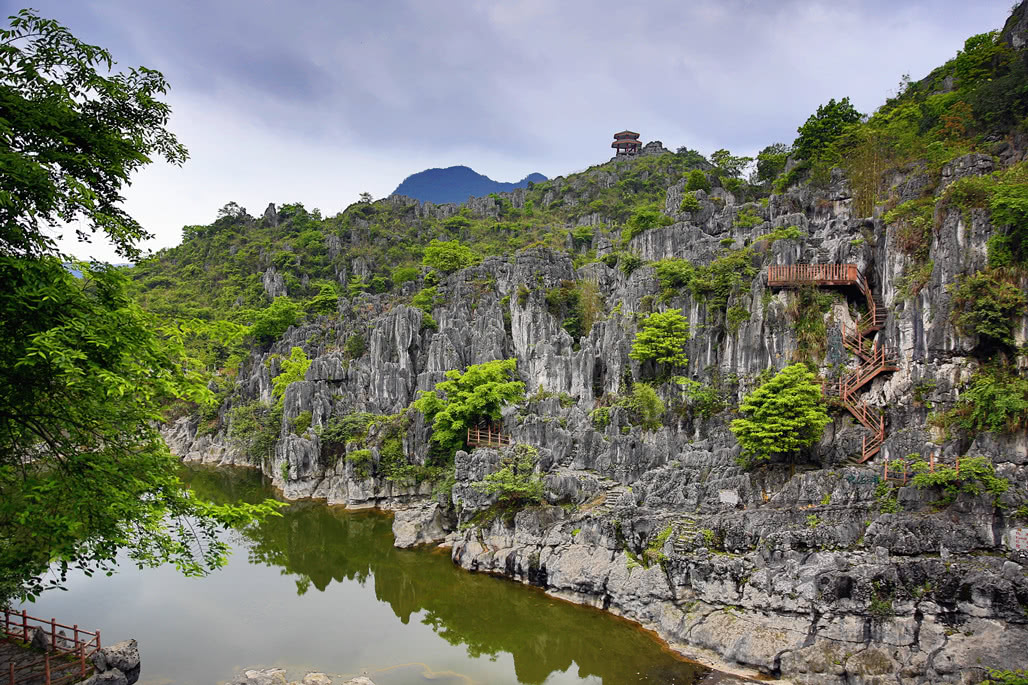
column 792, row 571
column 277, row 676
column 117, row 664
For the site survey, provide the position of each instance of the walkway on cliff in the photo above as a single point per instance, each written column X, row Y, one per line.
column 873, row 358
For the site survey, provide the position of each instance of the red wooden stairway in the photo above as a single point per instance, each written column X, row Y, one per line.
column 873, row 358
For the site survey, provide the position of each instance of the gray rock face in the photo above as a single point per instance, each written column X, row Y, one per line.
column 274, row 283
column 419, row 525
column 791, row 570
column 40, row 640
column 111, row 677
column 116, row 664
column 268, row 676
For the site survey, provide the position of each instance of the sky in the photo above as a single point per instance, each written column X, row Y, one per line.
column 316, row 101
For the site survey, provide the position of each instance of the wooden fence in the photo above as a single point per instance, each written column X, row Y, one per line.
column 488, row 437
column 66, row 661
column 904, row 475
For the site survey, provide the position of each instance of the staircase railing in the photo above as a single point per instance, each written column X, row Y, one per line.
column 873, row 357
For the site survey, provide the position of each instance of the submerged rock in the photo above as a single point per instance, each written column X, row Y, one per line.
column 277, row 676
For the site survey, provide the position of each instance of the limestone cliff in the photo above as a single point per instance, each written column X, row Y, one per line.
column 818, row 571
column 918, row 592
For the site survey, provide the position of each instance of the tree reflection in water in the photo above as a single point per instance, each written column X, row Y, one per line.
column 318, row 544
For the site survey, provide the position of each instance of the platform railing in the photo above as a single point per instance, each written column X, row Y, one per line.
column 813, row 274
column 488, row 437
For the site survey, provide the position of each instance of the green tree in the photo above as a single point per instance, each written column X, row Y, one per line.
column 269, row 324
column 476, row 395
column 771, row 161
column 996, row 399
column 515, row 484
column 689, row 203
column 662, row 337
column 822, row 128
column 976, row 475
column 645, row 405
column 84, row 471
column 448, row 256
column 986, row 303
column 326, row 301
column 728, row 164
column 294, row 368
column 645, row 218
column 697, row 181
column 71, row 137
column 783, row 416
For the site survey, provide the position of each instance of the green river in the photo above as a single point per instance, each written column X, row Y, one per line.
column 322, row 588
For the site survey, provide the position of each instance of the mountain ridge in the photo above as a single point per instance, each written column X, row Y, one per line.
column 456, row 184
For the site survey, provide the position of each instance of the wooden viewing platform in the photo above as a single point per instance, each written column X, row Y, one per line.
column 873, row 358
column 790, row 275
column 488, row 437
column 67, row 660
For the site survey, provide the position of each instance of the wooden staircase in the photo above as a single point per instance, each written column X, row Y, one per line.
column 873, row 358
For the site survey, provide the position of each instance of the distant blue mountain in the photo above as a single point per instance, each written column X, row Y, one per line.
column 456, row 184
column 77, row 273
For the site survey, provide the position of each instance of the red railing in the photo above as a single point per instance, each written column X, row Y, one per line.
column 815, row 274
column 874, row 359
column 488, row 437
column 903, row 477
column 66, row 662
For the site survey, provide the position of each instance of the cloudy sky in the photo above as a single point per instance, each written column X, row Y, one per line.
column 315, row 101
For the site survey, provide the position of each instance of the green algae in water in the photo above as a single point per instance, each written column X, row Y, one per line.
column 322, row 588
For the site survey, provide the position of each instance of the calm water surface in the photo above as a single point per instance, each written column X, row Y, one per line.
column 323, row 589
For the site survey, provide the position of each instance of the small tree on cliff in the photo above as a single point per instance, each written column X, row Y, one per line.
column 476, row 395
column 784, row 415
column 662, row 337
column 449, row 256
column 515, row 484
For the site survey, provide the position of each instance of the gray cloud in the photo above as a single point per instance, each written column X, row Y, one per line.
column 380, row 90
column 525, row 75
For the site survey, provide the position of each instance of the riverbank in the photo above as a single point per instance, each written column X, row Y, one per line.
column 813, row 603
column 324, row 589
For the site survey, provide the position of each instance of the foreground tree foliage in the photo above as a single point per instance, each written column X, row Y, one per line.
column 783, row 416
column 85, row 373
column 72, row 136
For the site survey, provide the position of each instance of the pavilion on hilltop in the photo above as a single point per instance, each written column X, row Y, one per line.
column 626, row 143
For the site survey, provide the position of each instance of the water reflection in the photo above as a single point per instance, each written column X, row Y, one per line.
column 319, row 545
